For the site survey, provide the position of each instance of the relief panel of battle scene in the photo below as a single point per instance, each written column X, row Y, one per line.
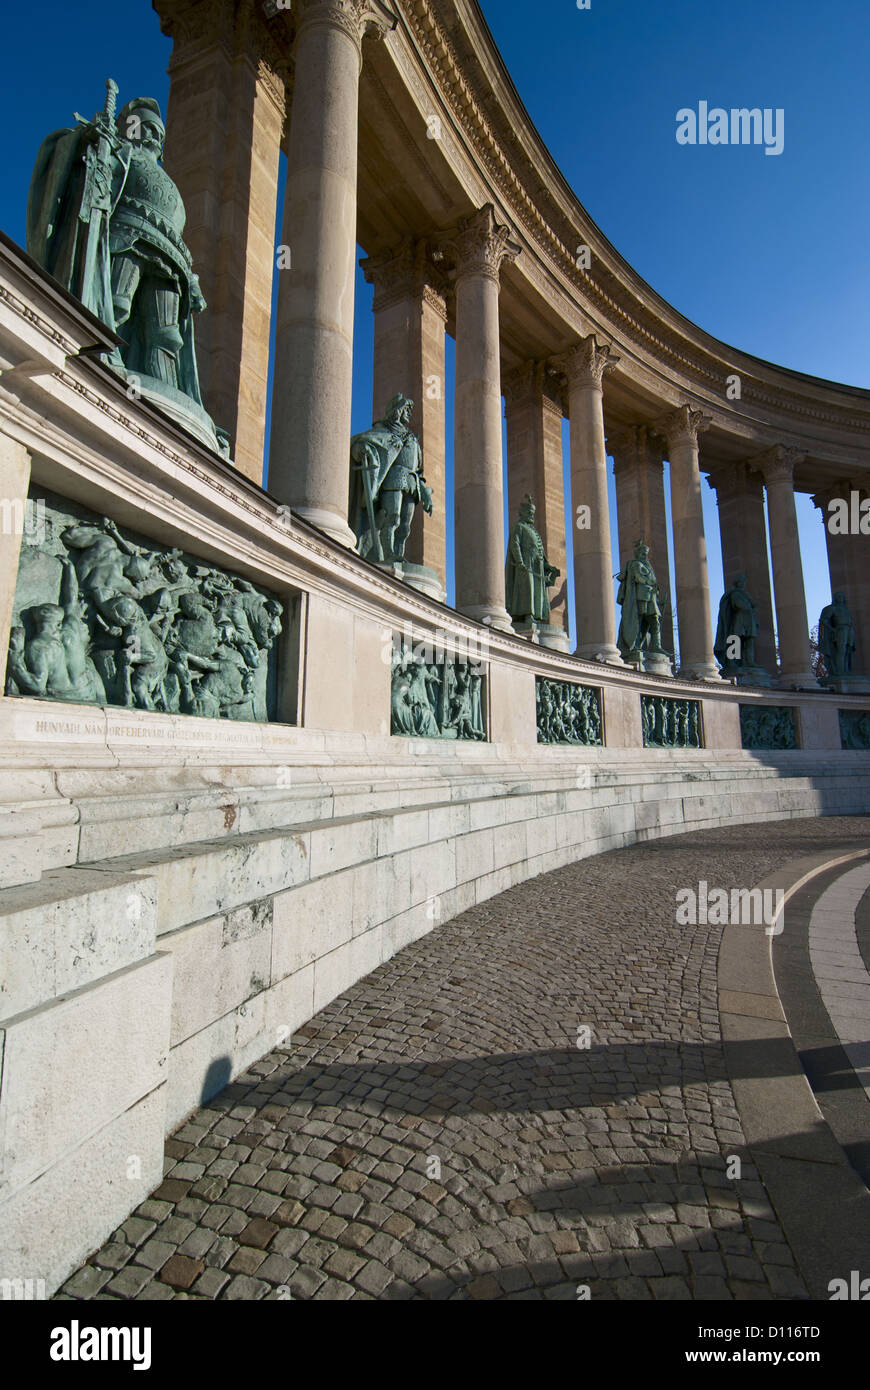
column 103, row 616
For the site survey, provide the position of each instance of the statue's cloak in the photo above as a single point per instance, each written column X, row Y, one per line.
column 736, row 619
column 384, row 444
column 836, row 639
column 525, row 578
column 55, row 236
column 629, row 627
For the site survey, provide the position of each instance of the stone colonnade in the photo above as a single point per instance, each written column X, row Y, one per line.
column 416, row 284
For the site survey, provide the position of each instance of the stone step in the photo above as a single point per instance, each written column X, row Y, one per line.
column 72, row 927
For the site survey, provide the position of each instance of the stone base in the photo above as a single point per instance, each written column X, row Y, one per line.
column 611, row 656
column 490, row 615
column 748, row 675
column 554, row 636
column 846, row 685
column 798, row 680
column 528, row 628
column 658, row 664
column 700, row 671
column 419, row 577
column 330, row 522
column 652, row 663
column 183, row 410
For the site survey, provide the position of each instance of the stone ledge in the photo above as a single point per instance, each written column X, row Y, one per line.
column 826, row 1216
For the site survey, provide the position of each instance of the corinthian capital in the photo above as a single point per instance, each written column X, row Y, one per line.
column 586, row 364
column 355, row 17
column 683, row 425
column 405, row 273
column 777, row 465
column 481, row 245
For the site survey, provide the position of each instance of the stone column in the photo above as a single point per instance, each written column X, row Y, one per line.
column 743, row 530
column 535, row 466
column 223, row 140
column 309, row 455
column 640, row 508
column 479, row 248
column 849, row 566
column 859, row 550
column 777, row 467
column 14, row 484
column 593, row 559
column 410, row 314
column 680, row 428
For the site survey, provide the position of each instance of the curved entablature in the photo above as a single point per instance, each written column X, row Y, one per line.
column 493, row 149
column 405, row 135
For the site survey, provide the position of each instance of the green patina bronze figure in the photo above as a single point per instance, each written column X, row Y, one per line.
column 436, row 699
column 528, row 573
column 107, row 221
column 736, row 631
column 855, row 729
column 837, row 638
column 568, row 713
column 770, row 727
column 670, row 723
column 387, row 484
column 101, row 620
column 640, row 628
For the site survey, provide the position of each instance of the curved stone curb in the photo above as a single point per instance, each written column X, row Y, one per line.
column 821, row 1202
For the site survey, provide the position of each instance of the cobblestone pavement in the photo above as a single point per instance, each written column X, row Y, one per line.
column 437, row 1132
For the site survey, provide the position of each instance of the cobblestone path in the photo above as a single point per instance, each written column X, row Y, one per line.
column 438, row 1133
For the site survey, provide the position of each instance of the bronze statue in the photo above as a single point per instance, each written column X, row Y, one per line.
column 387, row 484
column 528, row 573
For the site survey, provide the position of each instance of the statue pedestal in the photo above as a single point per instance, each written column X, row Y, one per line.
column 553, row 635
column 528, row 628
column 182, row 409
column 657, row 664
column 846, row 685
column 748, row 675
column 550, row 635
column 417, row 576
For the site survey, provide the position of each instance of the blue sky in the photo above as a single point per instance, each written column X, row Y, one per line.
column 767, row 253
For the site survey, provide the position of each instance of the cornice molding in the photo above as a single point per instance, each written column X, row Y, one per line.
column 517, row 179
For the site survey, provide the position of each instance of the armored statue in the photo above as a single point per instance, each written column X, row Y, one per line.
column 387, row 484
column 528, row 573
column 736, row 631
column 837, row 638
column 640, row 628
column 107, row 221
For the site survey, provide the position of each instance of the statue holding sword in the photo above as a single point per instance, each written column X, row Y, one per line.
column 107, row 221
